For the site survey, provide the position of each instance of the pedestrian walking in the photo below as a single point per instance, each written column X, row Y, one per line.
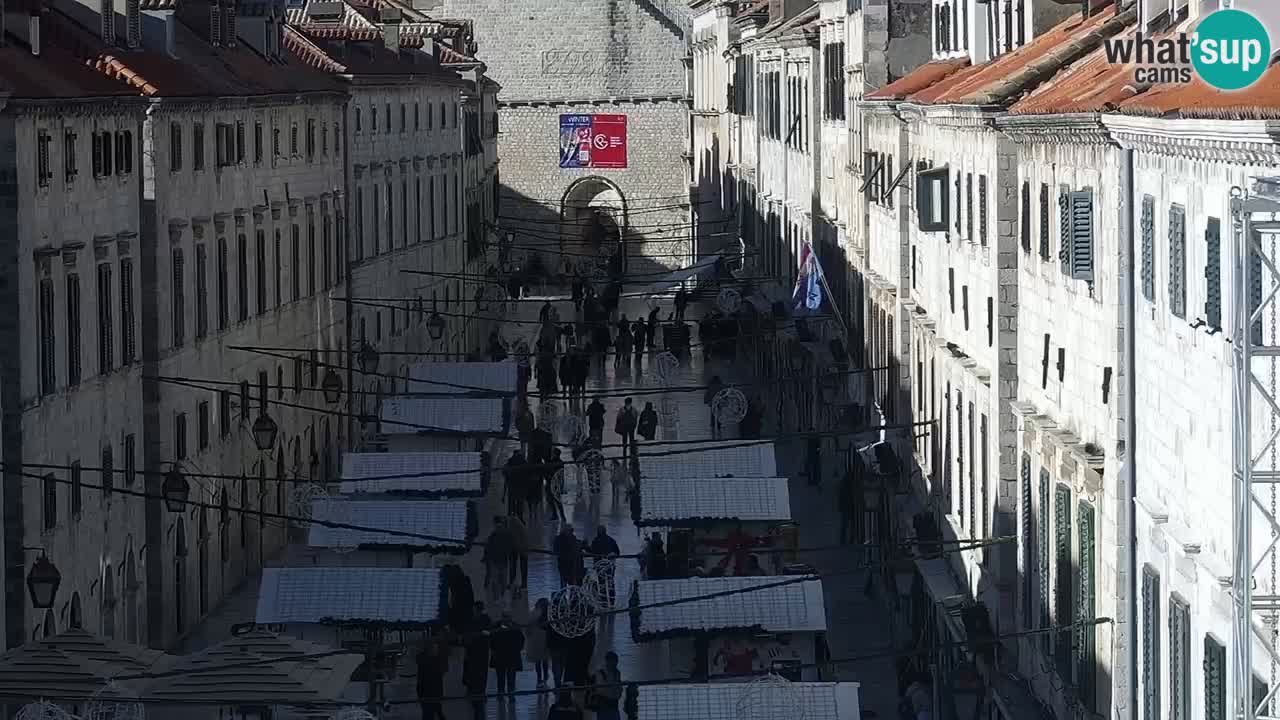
column 513, row 486
column 544, row 313
column 519, row 554
column 681, row 302
column 577, row 293
column 508, row 644
column 640, row 338
column 606, row 692
column 568, row 550
column 475, row 666
column 433, row 665
column 581, row 369
column 648, row 424
column 524, row 426
column 625, row 426
column 566, row 372
column 581, row 650
column 655, row 319
column 622, row 358
column 498, row 549
column 603, row 546
column 595, row 420
column 554, row 474
column 617, row 479
column 655, row 558
column 565, row 708
column 462, row 598
column 558, row 651
column 535, row 641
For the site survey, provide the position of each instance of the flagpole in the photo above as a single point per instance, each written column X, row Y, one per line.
column 822, row 278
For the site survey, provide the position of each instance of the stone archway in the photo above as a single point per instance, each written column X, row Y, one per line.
column 593, row 222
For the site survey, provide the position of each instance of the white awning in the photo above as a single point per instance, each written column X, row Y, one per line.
column 721, row 701
column 731, row 458
column 352, row 595
column 678, row 277
column 667, row 501
column 797, row 607
column 464, row 378
column 440, row 524
column 413, row 416
column 447, row 474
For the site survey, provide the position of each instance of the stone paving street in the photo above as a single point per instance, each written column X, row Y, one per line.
column 858, row 624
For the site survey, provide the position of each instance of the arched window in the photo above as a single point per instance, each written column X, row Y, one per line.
column 108, row 602
column 77, row 612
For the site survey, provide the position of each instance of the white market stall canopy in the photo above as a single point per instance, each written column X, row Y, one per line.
column 678, row 277
column 429, row 525
column 464, row 378
column 722, row 701
column 795, row 607
column 674, row 502
column 730, row 458
column 403, row 597
column 445, row 474
column 449, row 415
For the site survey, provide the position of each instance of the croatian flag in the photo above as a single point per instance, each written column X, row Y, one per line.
column 807, row 295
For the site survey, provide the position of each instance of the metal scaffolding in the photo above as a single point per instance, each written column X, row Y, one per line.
column 1255, row 406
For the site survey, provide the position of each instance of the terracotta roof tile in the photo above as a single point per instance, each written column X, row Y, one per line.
column 329, row 46
column 1260, row 101
column 1011, row 75
column 1090, row 85
column 56, row 73
column 918, row 79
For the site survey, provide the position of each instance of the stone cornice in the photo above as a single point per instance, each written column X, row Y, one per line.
column 1084, row 128
column 617, row 100
column 1228, row 141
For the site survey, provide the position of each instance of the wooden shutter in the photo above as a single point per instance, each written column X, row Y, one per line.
column 1044, row 222
column 982, row 209
column 1064, row 592
column 1215, row 680
column 1148, row 225
column 1151, row 667
column 1064, row 229
column 1082, row 235
column 968, row 207
column 1213, row 273
column 1028, row 546
column 1042, row 559
column 1177, row 261
column 1086, row 606
column 1179, row 660
column 1026, row 216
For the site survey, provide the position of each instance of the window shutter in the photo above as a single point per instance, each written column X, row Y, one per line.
column 1215, row 681
column 1177, row 261
column 1064, row 610
column 1064, row 229
column 1085, row 635
column 1148, row 247
column 1151, row 667
column 97, row 154
column 1179, row 660
column 1028, row 546
column 982, row 210
column 1082, row 235
column 1026, row 216
column 1213, row 273
column 1042, row 558
column 1044, row 222
column 968, row 207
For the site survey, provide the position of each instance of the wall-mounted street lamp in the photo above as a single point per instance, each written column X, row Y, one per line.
column 435, row 326
column 176, row 489
column 331, row 386
column 367, row 358
column 264, row 429
column 43, row 581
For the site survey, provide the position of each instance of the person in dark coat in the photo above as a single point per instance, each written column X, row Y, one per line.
column 595, row 420
column 713, row 388
column 475, row 664
column 604, row 546
column 655, row 319
column 433, row 664
column 578, row 293
column 682, row 302
column 508, row 643
column 581, row 369
column 641, row 337
column 566, row 373
column 578, row 671
column 648, row 426
column 462, row 598
column 625, row 426
column 558, row 649
column 568, row 551
column 655, row 558
column 544, row 313
column 553, row 489
column 514, row 490
column 547, row 374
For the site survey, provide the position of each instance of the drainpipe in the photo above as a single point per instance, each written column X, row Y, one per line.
column 1128, row 474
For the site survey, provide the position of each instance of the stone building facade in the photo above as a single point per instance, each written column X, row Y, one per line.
column 205, row 269
column 611, row 57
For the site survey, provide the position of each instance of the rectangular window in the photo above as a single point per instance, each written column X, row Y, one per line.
column 294, row 145
column 275, row 143
column 311, row 139
column 175, row 147
column 1027, row 531
column 295, row 269
column 257, row 142
column 202, row 425
column 48, row 362
column 1086, row 607
column 260, row 269
column 968, row 207
column 127, row 346
column 69, row 155
column 179, row 299
column 359, row 249
column 44, row 168
column 1215, row 679
column 1026, row 216
column 402, row 118
column 197, row 146
column 375, row 216
column 225, row 421
column 130, row 462
column 202, row 292
column 326, row 253
column 404, row 212
column 1151, row 667
column 1077, row 249
column 49, row 510
column 239, row 142
column 223, row 144
column 1044, row 222
column 1148, row 229
column 106, row 333
column 933, row 199
column 224, row 310
column 991, row 322
column 1179, row 659
column 73, row 329
column 124, row 152
column 1064, row 591
column 1213, row 273
column 982, row 210
column 1042, row 557
column 964, row 305
column 242, row 277
column 102, row 154
column 277, row 267
column 951, row 289
column 180, row 436
column 77, row 489
column 391, row 217
column 1177, row 261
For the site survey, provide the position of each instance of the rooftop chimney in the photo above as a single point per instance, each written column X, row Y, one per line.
column 391, row 28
